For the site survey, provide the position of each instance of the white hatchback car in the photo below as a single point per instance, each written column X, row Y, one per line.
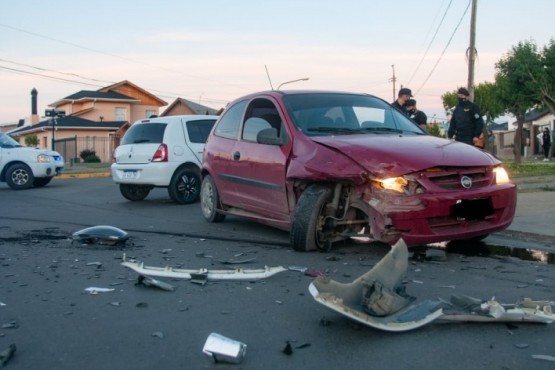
column 162, row 152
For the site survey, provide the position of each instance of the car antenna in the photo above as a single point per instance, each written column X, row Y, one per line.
column 268, row 74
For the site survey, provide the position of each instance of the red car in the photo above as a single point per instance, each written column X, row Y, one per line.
column 327, row 166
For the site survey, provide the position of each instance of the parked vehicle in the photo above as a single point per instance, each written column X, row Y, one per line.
column 22, row 167
column 162, row 152
column 331, row 165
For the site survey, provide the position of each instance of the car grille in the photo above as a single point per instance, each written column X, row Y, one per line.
column 452, row 178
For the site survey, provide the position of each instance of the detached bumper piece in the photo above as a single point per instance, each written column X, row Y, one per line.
column 210, row 275
column 376, row 299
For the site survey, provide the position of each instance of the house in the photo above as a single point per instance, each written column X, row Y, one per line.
column 93, row 120
column 183, row 106
column 534, row 122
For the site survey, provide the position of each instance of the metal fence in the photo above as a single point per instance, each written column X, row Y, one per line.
column 71, row 148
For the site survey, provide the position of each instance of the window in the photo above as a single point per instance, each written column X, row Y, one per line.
column 149, row 113
column 121, row 114
column 230, row 121
column 199, row 130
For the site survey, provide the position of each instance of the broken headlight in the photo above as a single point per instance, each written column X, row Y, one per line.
column 501, row 176
column 394, row 183
column 404, row 185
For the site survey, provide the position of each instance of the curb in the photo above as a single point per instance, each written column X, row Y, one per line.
column 83, row 175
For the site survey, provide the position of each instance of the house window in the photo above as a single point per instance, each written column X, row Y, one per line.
column 149, row 113
column 121, row 114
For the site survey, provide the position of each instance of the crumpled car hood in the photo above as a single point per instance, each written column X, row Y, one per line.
column 382, row 155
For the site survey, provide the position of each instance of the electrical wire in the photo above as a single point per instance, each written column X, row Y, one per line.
column 445, row 49
column 431, row 42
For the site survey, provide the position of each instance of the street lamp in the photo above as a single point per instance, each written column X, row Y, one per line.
column 289, row 82
column 53, row 114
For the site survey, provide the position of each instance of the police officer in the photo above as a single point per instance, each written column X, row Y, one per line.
column 402, row 97
column 417, row 115
column 466, row 123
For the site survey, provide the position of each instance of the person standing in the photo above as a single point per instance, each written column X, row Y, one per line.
column 466, row 124
column 546, row 143
column 416, row 115
column 402, row 97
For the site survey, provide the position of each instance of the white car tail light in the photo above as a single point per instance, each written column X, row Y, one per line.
column 161, row 154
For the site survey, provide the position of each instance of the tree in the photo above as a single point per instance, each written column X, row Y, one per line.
column 516, row 89
column 32, row 140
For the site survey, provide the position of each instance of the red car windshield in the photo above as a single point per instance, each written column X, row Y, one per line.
column 317, row 114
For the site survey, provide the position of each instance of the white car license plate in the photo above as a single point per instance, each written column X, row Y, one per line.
column 130, row 174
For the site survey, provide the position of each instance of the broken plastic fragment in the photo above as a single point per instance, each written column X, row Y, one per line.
column 101, row 234
column 150, row 282
column 223, row 349
column 473, row 309
column 211, row 275
column 7, row 354
column 96, row 290
column 346, row 298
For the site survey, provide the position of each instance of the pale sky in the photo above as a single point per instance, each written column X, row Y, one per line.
column 213, row 51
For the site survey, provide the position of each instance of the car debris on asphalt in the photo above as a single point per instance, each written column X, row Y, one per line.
column 224, row 349
column 376, row 299
column 102, row 234
column 211, row 275
column 155, row 283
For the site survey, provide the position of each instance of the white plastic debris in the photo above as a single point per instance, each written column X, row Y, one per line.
column 223, row 349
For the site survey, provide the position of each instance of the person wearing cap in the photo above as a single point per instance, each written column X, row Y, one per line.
column 416, row 115
column 402, row 97
column 466, row 124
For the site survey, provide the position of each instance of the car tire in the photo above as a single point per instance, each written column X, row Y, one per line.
column 184, row 187
column 210, row 200
column 306, row 230
column 39, row 182
column 134, row 192
column 19, row 177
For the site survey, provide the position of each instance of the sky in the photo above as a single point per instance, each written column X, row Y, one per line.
column 214, row 51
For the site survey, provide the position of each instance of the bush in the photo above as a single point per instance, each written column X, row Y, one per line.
column 87, row 153
column 92, row 159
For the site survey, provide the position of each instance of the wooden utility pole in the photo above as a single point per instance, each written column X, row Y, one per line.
column 393, row 79
column 472, row 50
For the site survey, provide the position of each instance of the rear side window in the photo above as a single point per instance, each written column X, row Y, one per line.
column 199, row 130
column 144, row 133
column 228, row 125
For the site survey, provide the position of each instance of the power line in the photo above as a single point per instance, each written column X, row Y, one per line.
column 445, row 49
column 431, row 42
column 119, row 57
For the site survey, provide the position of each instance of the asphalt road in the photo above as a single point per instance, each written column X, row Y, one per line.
column 55, row 324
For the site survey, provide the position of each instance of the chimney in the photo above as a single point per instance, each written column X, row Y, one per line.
column 34, row 112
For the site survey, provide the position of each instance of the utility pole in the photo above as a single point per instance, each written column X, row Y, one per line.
column 393, row 79
column 472, row 50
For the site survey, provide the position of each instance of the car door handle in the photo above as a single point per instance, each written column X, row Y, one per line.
column 236, row 156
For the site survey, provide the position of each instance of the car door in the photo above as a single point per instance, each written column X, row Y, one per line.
column 262, row 167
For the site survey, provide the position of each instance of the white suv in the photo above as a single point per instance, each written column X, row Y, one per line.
column 162, row 152
column 23, row 168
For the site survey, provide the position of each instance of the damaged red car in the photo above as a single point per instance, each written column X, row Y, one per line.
column 327, row 166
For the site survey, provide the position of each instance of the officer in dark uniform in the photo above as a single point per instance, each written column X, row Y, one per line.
column 402, row 97
column 466, row 123
column 417, row 115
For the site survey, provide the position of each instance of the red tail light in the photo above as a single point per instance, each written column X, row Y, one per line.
column 161, row 154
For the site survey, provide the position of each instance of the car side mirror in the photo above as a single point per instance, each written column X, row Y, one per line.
column 268, row 136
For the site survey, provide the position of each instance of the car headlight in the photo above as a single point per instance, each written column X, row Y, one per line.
column 395, row 183
column 41, row 158
column 501, row 176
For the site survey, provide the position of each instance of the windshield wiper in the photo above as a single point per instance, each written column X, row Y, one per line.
column 141, row 141
column 341, row 130
column 381, row 129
